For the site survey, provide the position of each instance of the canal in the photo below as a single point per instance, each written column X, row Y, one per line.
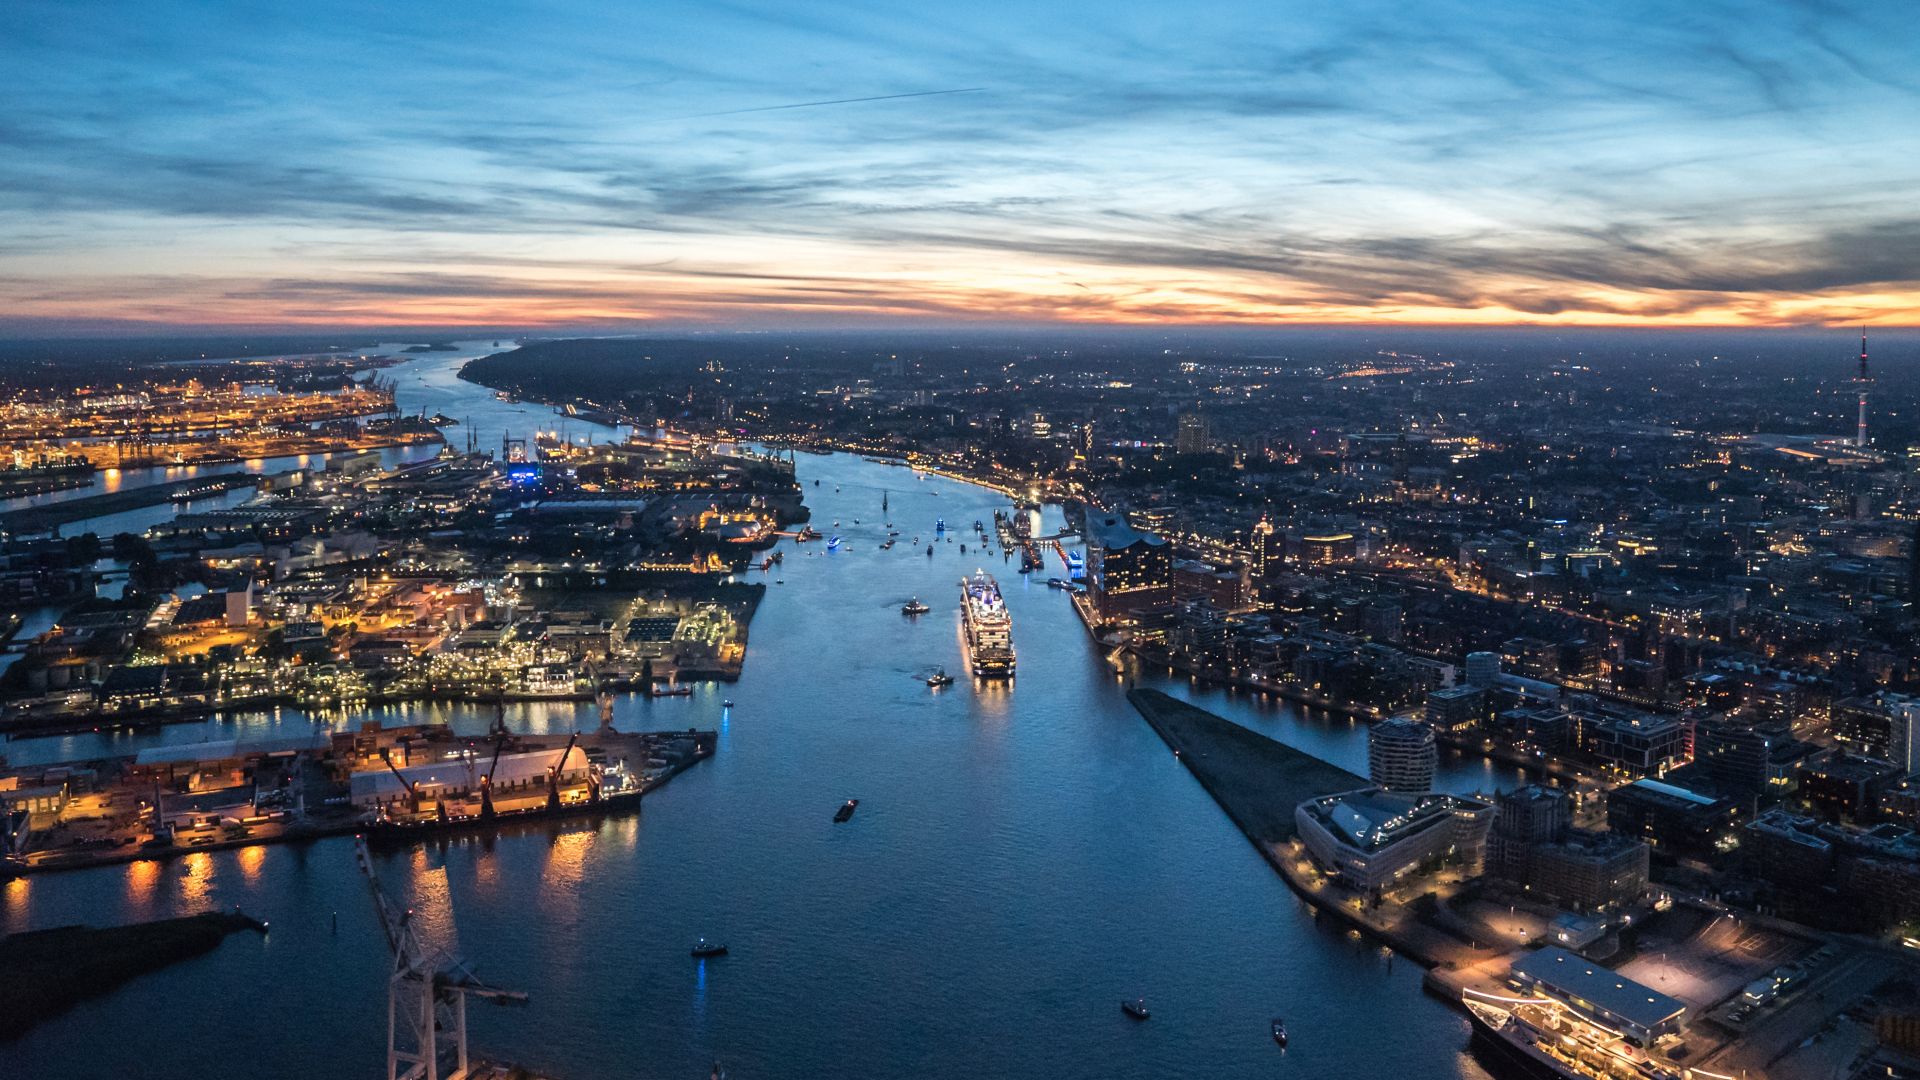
column 1023, row 858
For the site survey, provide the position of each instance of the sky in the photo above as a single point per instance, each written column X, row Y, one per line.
column 1626, row 162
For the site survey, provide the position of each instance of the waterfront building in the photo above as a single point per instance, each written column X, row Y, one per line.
column 1128, row 571
column 1640, row 1012
column 1402, row 755
column 1370, row 839
column 1455, row 708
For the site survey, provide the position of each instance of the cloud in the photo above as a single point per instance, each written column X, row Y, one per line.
column 1617, row 159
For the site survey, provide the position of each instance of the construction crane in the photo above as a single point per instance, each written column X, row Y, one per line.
column 427, row 993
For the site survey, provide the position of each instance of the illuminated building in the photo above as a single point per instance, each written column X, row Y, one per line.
column 1372, row 838
column 1194, row 435
column 1127, row 570
column 1402, row 755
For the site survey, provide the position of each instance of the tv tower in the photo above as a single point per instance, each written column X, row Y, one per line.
column 1862, row 380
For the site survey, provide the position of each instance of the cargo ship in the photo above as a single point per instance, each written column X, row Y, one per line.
column 1542, row 1039
column 989, row 629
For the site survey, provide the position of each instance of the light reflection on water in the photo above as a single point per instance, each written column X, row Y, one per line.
column 1024, row 856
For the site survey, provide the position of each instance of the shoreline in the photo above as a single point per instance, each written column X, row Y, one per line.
column 706, row 744
column 1262, row 816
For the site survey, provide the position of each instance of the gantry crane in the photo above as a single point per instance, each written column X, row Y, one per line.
column 427, row 994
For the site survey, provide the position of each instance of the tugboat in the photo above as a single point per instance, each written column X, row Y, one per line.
column 1280, row 1032
column 939, row 679
column 842, row 815
column 1136, row 1008
column 704, row 948
column 914, row 607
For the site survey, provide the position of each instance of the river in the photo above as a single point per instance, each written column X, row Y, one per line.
column 1023, row 858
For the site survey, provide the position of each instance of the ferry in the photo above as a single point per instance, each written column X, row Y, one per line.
column 1542, row 1039
column 988, row 627
column 1076, row 565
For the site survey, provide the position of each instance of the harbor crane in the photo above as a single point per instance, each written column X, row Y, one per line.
column 427, row 993
column 486, row 782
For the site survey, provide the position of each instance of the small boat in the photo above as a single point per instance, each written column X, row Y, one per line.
column 727, row 704
column 929, row 551
column 845, row 812
column 914, row 607
column 939, row 679
column 1057, row 583
column 1280, row 1031
column 833, row 543
column 704, row 948
column 779, row 581
column 671, row 691
column 1136, row 1008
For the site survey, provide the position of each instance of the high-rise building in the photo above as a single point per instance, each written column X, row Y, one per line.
column 1193, row 436
column 1402, row 755
column 1127, row 570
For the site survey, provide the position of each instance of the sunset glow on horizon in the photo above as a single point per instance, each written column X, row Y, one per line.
column 759, row 165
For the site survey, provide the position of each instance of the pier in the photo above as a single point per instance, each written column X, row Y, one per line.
column 1259, row 781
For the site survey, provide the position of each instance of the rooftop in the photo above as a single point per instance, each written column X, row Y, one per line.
column 1582, row 981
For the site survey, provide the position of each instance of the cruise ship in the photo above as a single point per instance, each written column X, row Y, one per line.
column 1542, row 1039
column 989, row 629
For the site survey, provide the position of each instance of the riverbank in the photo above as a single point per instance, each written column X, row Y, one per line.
column 1258, row 782
column 46, row 972
column 345, row 823
column 1463, row 744
column 37, row 519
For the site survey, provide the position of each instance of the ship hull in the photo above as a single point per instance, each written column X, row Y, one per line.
column 1513, row 1061
column 987, row 628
